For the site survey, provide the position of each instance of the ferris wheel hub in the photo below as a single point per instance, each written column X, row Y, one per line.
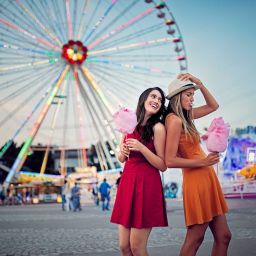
column 74, row 52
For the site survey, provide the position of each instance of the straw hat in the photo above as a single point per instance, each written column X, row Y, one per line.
column 176, row 86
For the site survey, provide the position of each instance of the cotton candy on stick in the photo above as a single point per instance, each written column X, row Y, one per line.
column 125, row 120
column 218, row 134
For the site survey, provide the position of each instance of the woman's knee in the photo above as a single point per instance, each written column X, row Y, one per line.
column 137, row 248
column 198, row 240
column 124, row 248
column 226, row 237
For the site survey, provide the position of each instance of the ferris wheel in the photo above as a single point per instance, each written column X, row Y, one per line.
column 67, row 65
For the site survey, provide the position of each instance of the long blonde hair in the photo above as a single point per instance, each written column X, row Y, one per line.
column 186, row 116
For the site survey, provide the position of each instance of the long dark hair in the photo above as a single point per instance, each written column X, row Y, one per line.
column 147, row 131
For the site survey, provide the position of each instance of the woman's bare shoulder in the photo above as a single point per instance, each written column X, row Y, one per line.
column 174, row 119
column 158, row 127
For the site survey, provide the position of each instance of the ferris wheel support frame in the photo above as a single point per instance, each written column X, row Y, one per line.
column 88, row 103
column 23, row 152
column 97, row 91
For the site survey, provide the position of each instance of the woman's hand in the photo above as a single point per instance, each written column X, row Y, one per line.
column 134, row 145
column 211, row 159
column 124, row 150
column 190, row 77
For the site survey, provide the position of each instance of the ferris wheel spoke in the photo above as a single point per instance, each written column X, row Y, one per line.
column 121, row 28
column 77, row 125
column 105, row 116
column 127, row 84
column 132, row 35
column 64, row 131
column 13, row 50
column 49, row 19
column 69, row 23
column 27, row 65
column 35, row 19
column 23, row 153
column 133, row 46
column 74, row 22
column 26, row 33
column 91, row 81
column 29, row 116
column 124, row 98
column 57, row 15
column 120, row 78
column 16, row 16
column 98, row 123
column 20, row 58
column 87, row 36
column 89, row 21
column 33, row 68
column 134, row 69
column 7, row 38
column 139, row 58
column 51, row 131
column 80, row 116
column 22, row 105
column 23, row 89
column 80, row 27
column 53, row 20
column 121, row 13
column 131, row 77
column 104, row 113
column 21, row 78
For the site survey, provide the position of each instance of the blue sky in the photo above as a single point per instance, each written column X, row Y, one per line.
column 220, row 39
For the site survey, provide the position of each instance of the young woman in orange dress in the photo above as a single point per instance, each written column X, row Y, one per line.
column 203, row 200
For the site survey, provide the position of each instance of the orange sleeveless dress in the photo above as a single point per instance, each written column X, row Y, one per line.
column 203, row 198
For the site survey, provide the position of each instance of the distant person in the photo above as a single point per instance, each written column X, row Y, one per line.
column 2, row 194
column 28, row 197
column 10, row 197
column 68, row 204
column 118, row 179
column 75, row 195
column 19, row 198
column 95, row 193
column 104, row 190
column 204, row 203
column 63, row 196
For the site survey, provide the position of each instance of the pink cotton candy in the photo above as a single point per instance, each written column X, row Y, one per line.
column 125, row 120
column 218, row 133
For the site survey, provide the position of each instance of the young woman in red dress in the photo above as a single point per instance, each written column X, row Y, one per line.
column 139, row 203
column 204, row 203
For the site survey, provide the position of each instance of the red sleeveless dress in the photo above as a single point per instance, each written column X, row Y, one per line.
column 139, row 201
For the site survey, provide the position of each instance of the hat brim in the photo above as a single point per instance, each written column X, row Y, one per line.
column 181, row 89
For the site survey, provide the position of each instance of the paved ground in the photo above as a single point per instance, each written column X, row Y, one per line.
column 46, row 230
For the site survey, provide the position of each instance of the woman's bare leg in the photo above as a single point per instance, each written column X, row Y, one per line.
column 139, row 240
column 124, row 240
column 221, row 234
column 193, row 240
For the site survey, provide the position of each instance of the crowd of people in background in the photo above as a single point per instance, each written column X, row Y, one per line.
column 13, row 197
column 71, row 196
